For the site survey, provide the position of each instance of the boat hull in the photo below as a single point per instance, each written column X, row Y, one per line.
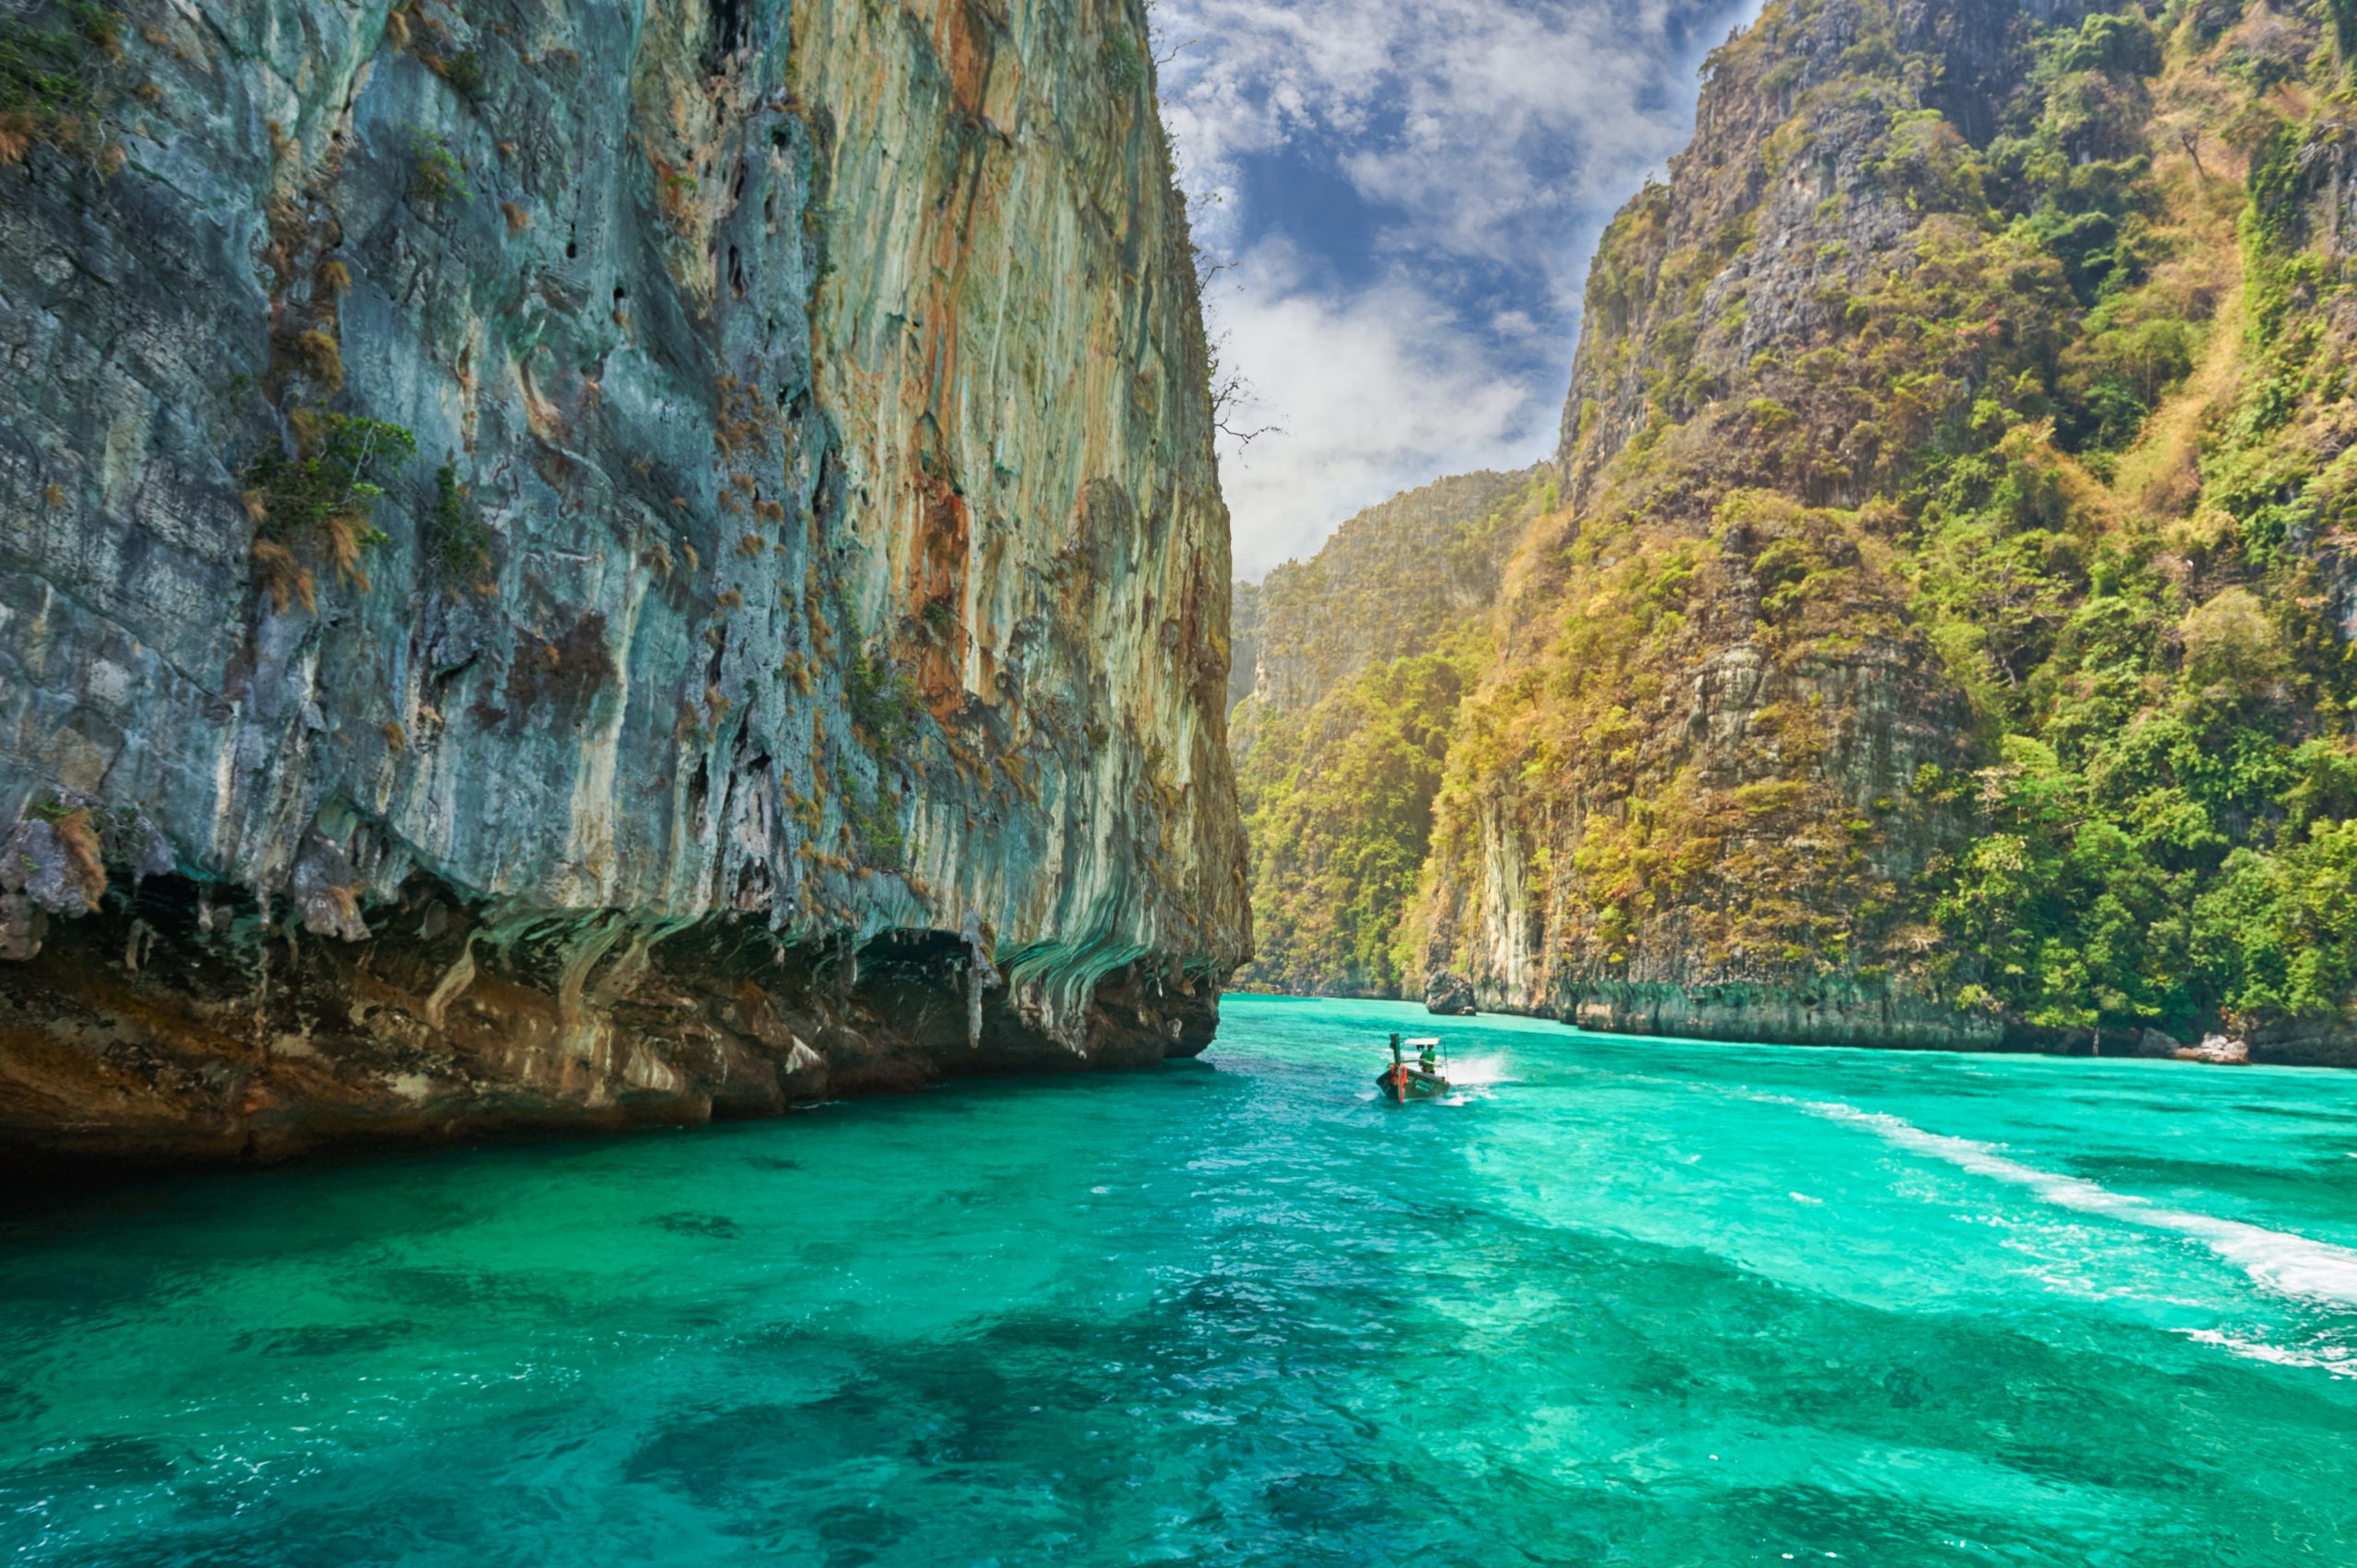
column 1404, row 1084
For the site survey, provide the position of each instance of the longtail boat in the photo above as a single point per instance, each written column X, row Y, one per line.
column 1420, row 1079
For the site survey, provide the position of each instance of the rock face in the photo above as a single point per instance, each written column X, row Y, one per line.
column 1392, row 581
column 787, row 655
column 1774, row 748
column 2217, row 1051
column 1451, row 995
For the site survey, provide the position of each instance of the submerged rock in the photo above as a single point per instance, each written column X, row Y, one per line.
column 625, row 571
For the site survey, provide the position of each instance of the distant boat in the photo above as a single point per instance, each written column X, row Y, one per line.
column 1420, row 1079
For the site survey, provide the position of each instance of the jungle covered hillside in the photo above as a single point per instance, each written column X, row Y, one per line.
column 1352, row 666
column 1944, row 633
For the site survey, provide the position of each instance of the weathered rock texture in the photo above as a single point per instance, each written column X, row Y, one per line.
column 1450, row 996
column 794, row 661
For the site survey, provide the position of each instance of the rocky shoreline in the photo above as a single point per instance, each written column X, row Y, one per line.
column 1657, row 1013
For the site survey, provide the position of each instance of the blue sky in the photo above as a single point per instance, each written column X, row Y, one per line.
column 1407, row 192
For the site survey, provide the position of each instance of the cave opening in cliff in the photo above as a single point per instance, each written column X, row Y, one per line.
column 726, row 33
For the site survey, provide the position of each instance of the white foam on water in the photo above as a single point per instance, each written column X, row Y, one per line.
column 2275, row 1259
column 1477, row 1072
column 2339, row 1363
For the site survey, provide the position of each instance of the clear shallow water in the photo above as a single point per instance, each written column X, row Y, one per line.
column 1630, row 1302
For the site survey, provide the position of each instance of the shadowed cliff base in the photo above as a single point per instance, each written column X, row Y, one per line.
column 1776, row 1016
column 1773, row 1014
column 174, row 1030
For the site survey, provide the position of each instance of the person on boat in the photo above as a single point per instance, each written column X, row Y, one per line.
column 1427, row 1061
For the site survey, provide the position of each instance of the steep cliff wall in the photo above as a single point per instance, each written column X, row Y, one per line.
column 1943, row 644
column 1393, row 580
column 1244, row 640
column 595, row 562
column 1361, row 657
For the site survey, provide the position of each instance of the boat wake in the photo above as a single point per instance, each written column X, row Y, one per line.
column 1479, row 1071
column 2274, row 1259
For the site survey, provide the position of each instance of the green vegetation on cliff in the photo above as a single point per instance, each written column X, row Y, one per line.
column 1337, row 808
column 1954, row 449
column 2161, row 813
column 1951, row 489
column 1340, row 744
column 1948, row 629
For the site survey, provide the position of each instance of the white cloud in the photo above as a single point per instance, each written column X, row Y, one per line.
column 1492, row 136
column 1488, row 123
column 1378, row 391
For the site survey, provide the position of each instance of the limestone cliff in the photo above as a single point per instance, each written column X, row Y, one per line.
column 1393, row 580
column 597, row 561
column 1945, row 634
column 1937, row 428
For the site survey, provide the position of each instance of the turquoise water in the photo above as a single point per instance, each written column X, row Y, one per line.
column 1627, row 1302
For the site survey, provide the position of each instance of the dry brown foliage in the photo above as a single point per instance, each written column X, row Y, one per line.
column 79, row 834
column 284, row 577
